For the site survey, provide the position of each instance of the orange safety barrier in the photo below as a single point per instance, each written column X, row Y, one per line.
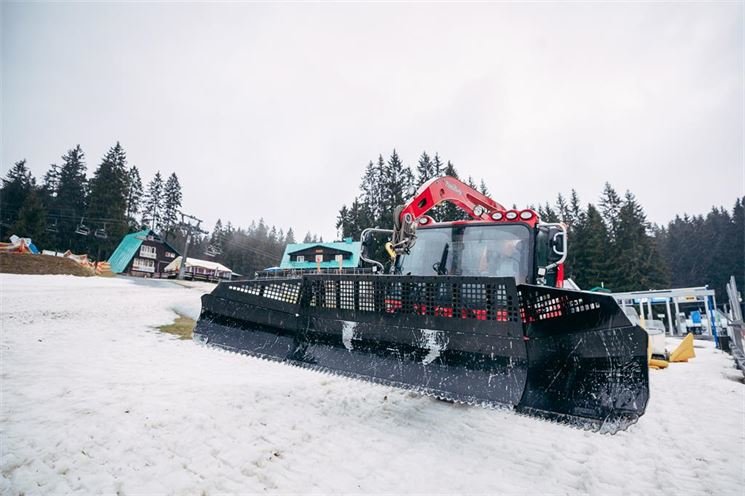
column 103, row 269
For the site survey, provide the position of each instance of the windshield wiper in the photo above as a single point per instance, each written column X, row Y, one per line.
column 441, row 266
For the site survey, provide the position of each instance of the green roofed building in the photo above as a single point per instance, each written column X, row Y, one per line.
column 310, row 256
column 143, row 254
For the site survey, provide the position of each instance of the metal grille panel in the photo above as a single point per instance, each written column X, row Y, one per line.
column 536, row 306
column 284, row 291
column 451, row 297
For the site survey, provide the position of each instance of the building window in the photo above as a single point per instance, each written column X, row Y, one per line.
column 300, row 258
column 170, row 254
column 339, row 258
column 143, row 265
column 148, row 251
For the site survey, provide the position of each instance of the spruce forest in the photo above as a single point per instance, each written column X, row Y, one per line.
column 57, row 211
column 611, row 242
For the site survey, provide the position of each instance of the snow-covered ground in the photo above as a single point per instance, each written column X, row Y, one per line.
column 95, row 400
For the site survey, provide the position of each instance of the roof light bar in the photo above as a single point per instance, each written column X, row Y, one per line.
column 497, row 216
column 526, row 214
column 511, row 215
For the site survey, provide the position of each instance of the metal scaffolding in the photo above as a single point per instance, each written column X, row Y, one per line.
column 701, row 295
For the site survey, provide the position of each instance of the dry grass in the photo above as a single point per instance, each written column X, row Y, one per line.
column 181, row 327
column 27, row 263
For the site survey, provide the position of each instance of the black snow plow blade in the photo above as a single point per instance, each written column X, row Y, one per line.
column 563, row 355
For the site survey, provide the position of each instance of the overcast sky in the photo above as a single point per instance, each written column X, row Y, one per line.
column 273, row 111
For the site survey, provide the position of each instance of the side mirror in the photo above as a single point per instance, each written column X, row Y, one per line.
column 557, row 235
column 558, row 243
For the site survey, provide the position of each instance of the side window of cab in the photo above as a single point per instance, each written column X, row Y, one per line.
column 544, row 255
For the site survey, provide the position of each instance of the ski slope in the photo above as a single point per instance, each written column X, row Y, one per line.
column 96, row 400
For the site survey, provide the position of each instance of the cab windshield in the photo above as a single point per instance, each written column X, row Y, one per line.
column 477, row 250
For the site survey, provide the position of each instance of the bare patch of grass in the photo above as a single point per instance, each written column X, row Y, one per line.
column 181, row 327
column 27, row 263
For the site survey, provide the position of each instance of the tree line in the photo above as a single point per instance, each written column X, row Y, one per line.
column 69, row 210
column 387, row 184
column 248, row 250
column 611, row 242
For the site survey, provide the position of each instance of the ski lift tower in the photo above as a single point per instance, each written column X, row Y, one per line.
column 191, row 224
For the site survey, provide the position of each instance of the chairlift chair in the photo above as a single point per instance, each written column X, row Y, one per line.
column 82, row 229
column 101, row 232
column 212, row 251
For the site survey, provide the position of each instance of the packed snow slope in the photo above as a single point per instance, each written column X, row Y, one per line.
column 96, row 400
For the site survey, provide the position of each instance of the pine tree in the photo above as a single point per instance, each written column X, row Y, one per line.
column 398, row 181
column 483, row 189
column 562, row 209
column 308, row 238
column 682, row 246
column 343, row 222
column 153, row 207
column 70, row 202
column 575, row 220
column 290, row 238
column 373, row 184
column 547, row 214
column 438, row 168
column 575, row 208
column 134, row 196
column 352, row 221
column 425, row 169
column 172, row 197
column 610, row 206
column 590, row 266
column 217, row 238
column 718, row 253
column 50, row 183
column 385, row 187
column 107, row 201
column 48, row 197
column 637, row 261
column 16, row 186
column 32, row 220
